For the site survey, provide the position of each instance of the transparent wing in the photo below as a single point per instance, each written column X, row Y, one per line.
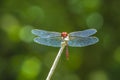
column 82, row 41
column 54, row 42
column 45, row 34
column 84, row 33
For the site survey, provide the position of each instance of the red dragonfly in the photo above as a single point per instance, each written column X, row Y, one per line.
column 73, row 39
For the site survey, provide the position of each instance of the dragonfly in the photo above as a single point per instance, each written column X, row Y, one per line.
column 73, row 39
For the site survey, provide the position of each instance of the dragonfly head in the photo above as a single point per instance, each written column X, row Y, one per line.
column 64, row 34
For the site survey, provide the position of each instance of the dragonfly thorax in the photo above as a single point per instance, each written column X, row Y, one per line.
column 66, row 39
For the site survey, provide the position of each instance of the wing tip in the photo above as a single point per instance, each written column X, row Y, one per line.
column 33, row 31
column 36, row 39
column 97, row 40
column 95, row 30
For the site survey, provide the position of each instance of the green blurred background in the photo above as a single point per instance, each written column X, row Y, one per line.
column 22, row 59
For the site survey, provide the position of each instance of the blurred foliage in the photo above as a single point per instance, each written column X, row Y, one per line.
column 22, row 59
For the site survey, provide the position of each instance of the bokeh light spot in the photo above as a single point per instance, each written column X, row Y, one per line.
column 75, row 6
column 11, row 26
column 98, row 75
column 25, row 34
column 95, row 20
column 117, row 55
column 34, row 13
column 91, row 4
column 71, row 77
column 31, row 68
